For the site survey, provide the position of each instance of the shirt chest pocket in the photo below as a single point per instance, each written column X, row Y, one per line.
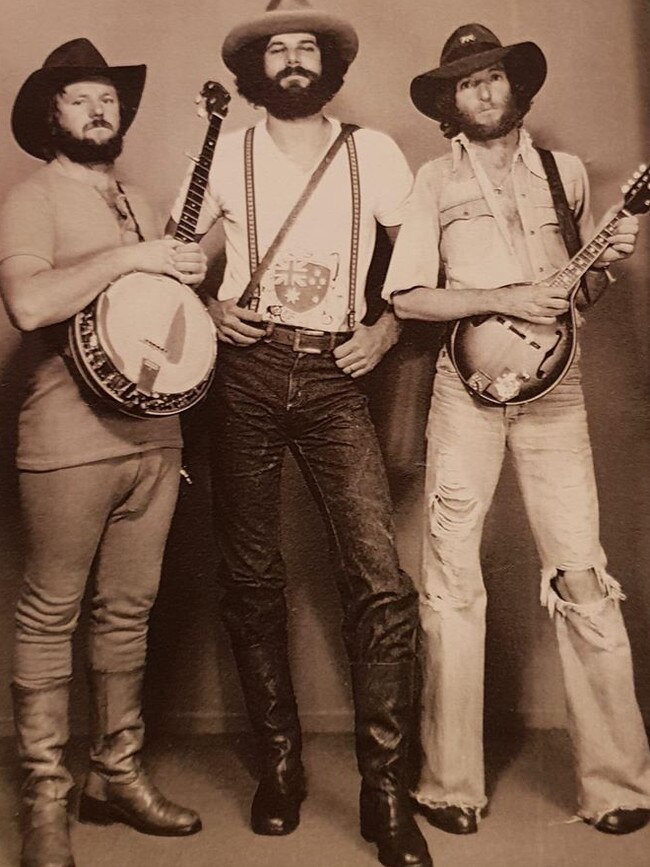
column 551, row 235
column 467, row 225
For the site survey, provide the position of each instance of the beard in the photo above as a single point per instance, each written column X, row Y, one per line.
column 296, row 101
column 86, row 151
column 510, row 118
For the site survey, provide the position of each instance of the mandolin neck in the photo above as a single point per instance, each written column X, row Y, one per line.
column 568, row 279
column 186, row 229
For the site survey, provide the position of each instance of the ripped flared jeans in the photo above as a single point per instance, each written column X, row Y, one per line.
column 549, row 443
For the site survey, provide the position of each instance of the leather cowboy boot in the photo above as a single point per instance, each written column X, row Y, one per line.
column 117, row 788
column 271, row 704
column 384, row 709
column 41, row 719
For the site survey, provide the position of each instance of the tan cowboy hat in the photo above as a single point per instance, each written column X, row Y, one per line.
column 291, row 16
column 76, row 60
column 473, row 47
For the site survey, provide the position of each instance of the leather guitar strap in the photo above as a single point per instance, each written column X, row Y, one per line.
column 250, row 296
column 130, row 210
column 565, row 218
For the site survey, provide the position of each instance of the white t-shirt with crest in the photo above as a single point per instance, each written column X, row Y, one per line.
column 307, row 283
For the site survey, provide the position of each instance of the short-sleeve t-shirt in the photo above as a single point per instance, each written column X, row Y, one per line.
column 307, row 284
column 61, row 220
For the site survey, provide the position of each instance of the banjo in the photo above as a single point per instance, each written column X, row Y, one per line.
column 147, row 344
column 504, row 360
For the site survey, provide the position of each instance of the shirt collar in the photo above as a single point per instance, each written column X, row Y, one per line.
column 525, row 149
column 335, row 129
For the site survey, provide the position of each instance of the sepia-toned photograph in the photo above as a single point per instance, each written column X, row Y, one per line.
column 325, row 433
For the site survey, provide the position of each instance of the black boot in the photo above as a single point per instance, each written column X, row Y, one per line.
column 117, row 788
column 41, row 719
column 383, row 698
column 271, row 704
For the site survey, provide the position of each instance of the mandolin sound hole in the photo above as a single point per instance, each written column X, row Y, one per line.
column 551, row 352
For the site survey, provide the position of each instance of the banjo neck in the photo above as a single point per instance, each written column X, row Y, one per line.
column 186, row 228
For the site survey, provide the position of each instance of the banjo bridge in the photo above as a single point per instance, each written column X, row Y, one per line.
column 154, row 345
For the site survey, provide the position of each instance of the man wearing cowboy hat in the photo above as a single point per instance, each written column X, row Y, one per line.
column 486, row 213
column 287, row 372
column 97, row 487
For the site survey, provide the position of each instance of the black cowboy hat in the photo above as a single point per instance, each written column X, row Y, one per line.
column 76, row 60
column 473, row 47
column 291, row 16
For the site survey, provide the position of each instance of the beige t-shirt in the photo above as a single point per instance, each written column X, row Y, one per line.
column 61, row 220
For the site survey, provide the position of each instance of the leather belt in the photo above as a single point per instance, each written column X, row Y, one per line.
column 305, row 339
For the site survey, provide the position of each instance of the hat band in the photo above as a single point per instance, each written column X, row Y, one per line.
column 460, row 52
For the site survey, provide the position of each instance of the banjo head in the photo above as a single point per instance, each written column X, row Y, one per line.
column 148, row 343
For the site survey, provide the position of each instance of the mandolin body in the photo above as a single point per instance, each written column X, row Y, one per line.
column 503, row 360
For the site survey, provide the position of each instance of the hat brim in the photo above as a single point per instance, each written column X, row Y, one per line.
column 524, row 62
column 29, row 120
column 292, row 21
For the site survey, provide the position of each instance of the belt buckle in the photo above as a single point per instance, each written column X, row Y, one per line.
column 298, row 345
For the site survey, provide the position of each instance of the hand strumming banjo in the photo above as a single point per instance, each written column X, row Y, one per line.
column 504, row 360
column 147, row 344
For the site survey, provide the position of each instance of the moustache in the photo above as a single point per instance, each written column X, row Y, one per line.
column 98, row 122
column 288, row 71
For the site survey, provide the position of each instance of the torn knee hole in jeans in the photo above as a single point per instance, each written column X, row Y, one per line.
column 452, row 510
column 448, row 602
column 591, row 612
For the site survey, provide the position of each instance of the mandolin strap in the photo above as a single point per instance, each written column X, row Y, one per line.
column 565, row 218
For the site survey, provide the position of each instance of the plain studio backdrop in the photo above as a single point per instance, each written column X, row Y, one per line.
column 593, row 104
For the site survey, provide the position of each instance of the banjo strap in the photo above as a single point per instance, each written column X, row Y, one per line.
column 128, row 207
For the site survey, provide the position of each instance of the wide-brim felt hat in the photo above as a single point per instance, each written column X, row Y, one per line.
column 291, row 16
column 76, row 60
column 473, row 47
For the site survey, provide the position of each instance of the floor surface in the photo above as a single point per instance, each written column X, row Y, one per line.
column 529, row 822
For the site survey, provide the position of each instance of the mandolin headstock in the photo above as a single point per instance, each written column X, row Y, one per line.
column 637, row 191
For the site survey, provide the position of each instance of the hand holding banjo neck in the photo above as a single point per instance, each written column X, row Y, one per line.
column 147, row 345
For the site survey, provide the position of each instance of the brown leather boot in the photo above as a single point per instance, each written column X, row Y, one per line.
column 41, row 719
column 117, row 788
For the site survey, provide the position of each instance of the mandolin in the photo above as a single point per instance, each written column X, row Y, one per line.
column 504, row 360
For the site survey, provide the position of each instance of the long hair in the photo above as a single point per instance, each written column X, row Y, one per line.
column 252, row 81
column 450, row 120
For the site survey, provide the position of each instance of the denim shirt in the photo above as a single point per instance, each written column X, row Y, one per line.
column 454, row 219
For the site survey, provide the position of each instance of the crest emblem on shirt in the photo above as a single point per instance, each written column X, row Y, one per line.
column 300, row 283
